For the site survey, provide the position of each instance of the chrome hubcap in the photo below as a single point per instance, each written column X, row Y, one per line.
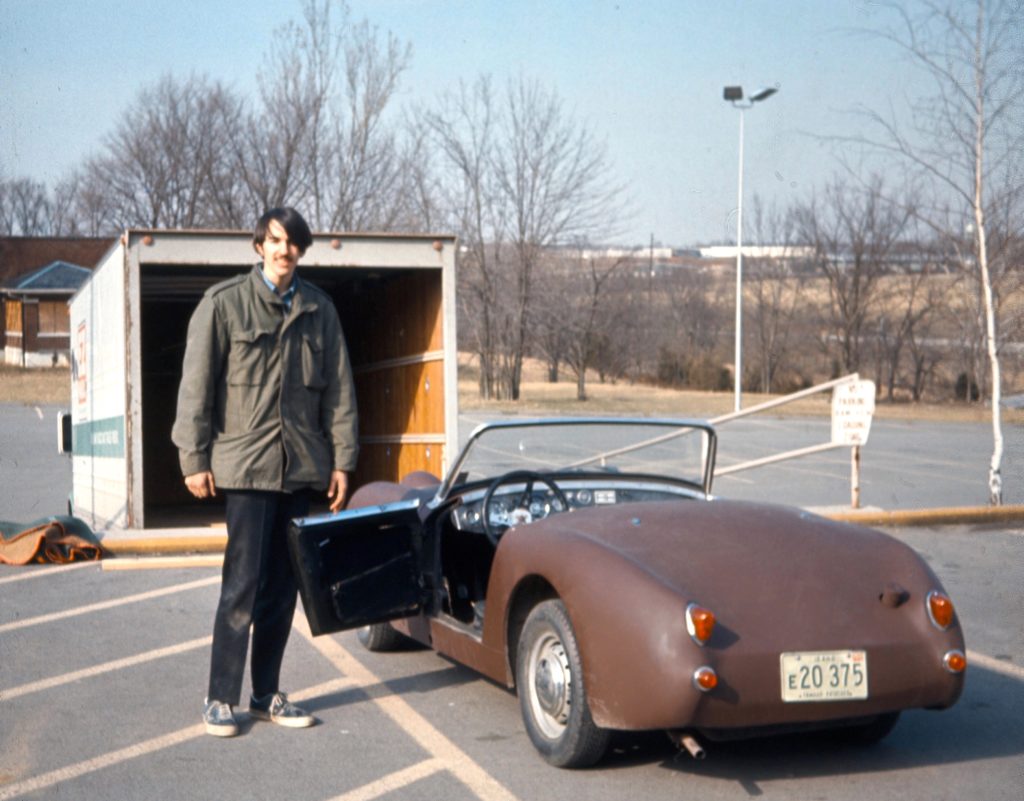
column 550, row 685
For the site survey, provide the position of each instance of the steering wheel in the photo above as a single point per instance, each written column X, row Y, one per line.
column 522, row 501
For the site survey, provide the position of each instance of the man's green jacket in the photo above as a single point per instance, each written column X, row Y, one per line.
column 266, row 399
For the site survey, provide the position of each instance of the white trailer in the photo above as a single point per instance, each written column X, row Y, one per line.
column 395, row 295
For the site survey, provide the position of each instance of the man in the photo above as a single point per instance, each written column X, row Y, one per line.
column 266, row 414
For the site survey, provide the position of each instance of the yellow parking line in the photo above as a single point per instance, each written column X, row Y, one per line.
column 44, row 570
column 106, row 667
column 455, row 760
column 996, row 665
column 97, row 607
column 392, row 782
column 69, row 772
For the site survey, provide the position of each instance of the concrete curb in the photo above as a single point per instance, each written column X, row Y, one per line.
column 129, row 545
column 202, row 542
column 949, row 516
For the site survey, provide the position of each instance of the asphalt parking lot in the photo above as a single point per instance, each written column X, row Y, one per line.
column 102, row 669
column 102, row 672
column 905, row 465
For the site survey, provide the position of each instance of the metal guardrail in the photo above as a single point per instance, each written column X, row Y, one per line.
column 852, row 378
column 798, row 452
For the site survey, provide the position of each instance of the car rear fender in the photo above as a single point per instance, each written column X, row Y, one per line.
column 630, row 628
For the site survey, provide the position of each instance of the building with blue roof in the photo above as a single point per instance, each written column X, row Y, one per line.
column 36, row 322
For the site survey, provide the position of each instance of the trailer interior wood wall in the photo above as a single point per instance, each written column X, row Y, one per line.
column 393, row 324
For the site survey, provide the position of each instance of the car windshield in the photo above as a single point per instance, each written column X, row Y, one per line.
column 678, row 450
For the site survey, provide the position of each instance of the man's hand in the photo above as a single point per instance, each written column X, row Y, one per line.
column 201, row 484
column 338, row 489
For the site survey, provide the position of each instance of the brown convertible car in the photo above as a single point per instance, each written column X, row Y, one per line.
column 586, row 564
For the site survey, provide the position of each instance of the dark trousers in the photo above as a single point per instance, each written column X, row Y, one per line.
column 257, row 589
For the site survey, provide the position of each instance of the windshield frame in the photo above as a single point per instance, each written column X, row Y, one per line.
column 679, row 426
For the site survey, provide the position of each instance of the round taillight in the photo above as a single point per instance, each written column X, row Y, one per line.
column 705, row 679
column 940, row 609
column 954, row 661
column 700, row 623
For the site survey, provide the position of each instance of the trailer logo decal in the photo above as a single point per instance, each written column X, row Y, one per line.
column 99, row 438
column 78, row 364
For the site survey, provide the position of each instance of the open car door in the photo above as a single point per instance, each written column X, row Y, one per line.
column 361, row 566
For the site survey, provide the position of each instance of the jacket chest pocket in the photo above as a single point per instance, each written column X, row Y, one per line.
column 313, row 362
column 250, row 352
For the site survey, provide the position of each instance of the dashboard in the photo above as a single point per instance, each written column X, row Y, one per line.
column 510, row 506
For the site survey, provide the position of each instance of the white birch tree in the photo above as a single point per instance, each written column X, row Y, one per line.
column 964, row 141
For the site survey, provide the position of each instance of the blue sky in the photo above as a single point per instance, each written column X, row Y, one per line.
column 646, row 77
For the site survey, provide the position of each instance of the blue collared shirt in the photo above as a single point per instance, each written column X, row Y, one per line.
column 289, row 293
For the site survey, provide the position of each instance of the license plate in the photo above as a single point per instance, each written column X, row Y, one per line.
column 824, row 675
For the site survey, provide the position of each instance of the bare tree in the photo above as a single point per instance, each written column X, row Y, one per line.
column 774, row 295
column 28, row 208
column 364, row 166
column 555, row 181
column 910, row 302
column 688, row 312
column 462, row 129
column 569, row 314
column 25, row 208
column 588, row 331
column 964, row 141
column 319, row 138
column 774, row 301
column 923, row 313
column 86, row 206
column 853, row 233
column 277, row 154
column 522, row 177
column 190, row 153
column 424, row 209
column 159, row 163
column 64, row 208
column 633, row 313
column 550, row 334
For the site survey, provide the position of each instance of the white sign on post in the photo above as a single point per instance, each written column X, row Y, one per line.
column 853, row 405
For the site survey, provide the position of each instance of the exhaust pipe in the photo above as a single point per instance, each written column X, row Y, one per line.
column 687, row 742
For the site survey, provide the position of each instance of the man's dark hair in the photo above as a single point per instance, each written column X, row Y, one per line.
column 292, row 222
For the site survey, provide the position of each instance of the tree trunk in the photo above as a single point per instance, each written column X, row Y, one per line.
column 581, row 384
column 995, row 481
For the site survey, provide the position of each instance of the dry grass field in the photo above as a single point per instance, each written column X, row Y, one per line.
column 539, row 396
column 49, row 386
column 53, row 387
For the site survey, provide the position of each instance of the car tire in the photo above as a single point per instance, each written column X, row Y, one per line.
column 380, row 637
column 552, row 696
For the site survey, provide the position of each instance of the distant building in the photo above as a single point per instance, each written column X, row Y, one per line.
column 36, row 329
column 37, row 278
column 639, row 252
column 758, row 252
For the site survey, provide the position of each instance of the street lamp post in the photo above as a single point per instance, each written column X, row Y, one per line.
column 734, row 94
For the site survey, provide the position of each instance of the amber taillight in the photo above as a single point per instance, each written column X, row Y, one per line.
column 700, row 623
column 940, row 609
column 954, row 661
column 705, row 679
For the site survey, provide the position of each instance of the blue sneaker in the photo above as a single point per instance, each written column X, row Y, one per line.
column 219, row 719
column 278, row 709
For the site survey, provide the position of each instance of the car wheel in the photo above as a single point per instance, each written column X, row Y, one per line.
column 380, row 637
column 552, row 696
column 866, row 734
